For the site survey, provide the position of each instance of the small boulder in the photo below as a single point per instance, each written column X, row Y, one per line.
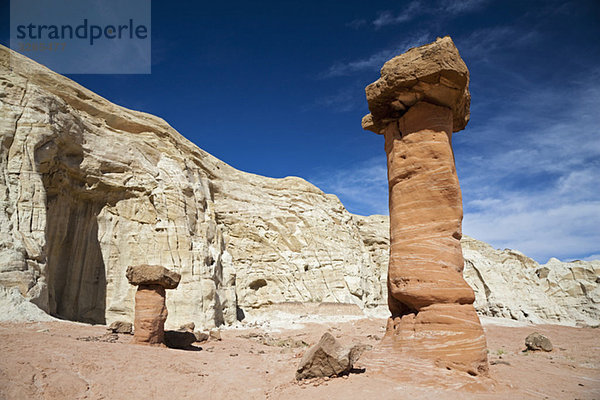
column 327, row 358
column 152, row 275
column 201, row 336
column 121, row 327
column 179, row 339
column 214, row 334
column 537, row 341
column 189, row 327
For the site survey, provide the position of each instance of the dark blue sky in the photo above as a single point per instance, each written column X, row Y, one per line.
column 277, row 89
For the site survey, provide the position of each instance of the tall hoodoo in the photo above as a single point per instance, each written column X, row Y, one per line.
column 421, row 98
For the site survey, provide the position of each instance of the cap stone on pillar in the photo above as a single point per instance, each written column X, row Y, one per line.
column 152, row 275
column 434, row 73
column 150, row 307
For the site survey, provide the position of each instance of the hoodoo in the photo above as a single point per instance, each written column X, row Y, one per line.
column 150, row 309
column 421, row 98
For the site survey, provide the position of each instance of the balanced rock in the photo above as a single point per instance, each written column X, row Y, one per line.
column 121, row 327
column 327, row 358
column 152, row 275
column 150, row 309
column 421, row 98
column 537, row 341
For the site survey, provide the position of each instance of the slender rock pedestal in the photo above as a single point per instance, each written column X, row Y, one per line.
column 421, row 98
column 150, row 309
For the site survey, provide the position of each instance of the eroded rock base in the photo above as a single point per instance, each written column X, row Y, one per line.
column 150, row 315
column 450, row 335
column 431, row 304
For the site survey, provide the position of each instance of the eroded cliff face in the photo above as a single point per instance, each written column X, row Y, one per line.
column 89, row 188
column 508, row 284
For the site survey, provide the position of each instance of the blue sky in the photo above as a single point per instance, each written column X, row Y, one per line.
column 277, row 89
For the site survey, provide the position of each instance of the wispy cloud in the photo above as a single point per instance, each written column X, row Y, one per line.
column 417, row 8
column 362, row 187
column 537, row 193
column 479, row 44
column 376, row 60
column 357, row 23
column 414, row 8
column 346, row 99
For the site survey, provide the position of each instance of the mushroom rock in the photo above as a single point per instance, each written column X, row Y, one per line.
column 150, row 309
column 421, row 98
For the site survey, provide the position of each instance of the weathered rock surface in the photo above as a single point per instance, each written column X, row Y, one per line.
column 89, row 188
column 15, row 308
column 421, row 98
column 537, row 341
column 121, row 327
column 150, row 315
column 150, row 309
column 152, row 275
column 327, row 358
column 434, row 73
column 509, row 284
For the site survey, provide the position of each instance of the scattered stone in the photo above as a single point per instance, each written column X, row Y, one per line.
column 214, row 334
column 121, row 327
column 179, row 339
column 233, row 354
column 537, row 341
column 327, row 358
column 189, row 327
column 496, row 362
column 107, row 338
column 201, row 336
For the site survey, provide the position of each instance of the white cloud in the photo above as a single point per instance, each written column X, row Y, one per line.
column 376, row 60
column 417, row 8
column 538, row 190
column 593, row 257
column 361, row 187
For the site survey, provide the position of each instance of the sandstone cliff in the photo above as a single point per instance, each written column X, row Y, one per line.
column 89, row 188
column 509, row 284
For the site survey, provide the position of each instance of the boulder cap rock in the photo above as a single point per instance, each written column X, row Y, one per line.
column 434, row 73
column 152, row 275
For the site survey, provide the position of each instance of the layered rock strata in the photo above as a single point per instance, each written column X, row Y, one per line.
column 150, row 308
column 421, row 98
column 88, row 188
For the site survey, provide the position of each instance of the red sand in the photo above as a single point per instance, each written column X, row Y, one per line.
column 51, row 361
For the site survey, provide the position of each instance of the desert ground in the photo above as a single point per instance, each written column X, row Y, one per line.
column 66, row 360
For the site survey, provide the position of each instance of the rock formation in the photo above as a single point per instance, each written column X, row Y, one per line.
column 421, row 98
column 150, row 309
column 328, row 358
column 88, row 188
column 536, row 341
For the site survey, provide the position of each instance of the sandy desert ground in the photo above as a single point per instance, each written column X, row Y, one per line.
column 65, row 360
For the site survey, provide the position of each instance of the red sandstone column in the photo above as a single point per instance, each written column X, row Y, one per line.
column 150, row 309
column 421, row 98
column 150, row 315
